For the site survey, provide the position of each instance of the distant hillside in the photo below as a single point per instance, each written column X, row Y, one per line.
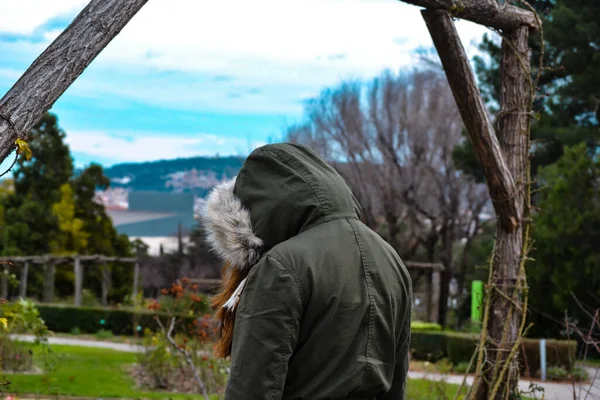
column 196, row 174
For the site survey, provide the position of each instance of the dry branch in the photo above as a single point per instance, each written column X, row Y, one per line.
column 186, row 354
column 59, row 65
column 485, row 12
column 468, row 99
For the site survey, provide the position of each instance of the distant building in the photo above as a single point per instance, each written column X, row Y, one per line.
column 155, row 218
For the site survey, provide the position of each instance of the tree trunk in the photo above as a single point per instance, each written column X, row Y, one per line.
column 59, row 65
column 505, row 163
column 505, row 318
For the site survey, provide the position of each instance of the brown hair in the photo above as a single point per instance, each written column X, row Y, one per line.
column 232, row 277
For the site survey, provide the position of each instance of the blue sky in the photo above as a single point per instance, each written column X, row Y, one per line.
column 200, row 77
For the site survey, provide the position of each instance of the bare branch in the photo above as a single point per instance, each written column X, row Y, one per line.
column 186, row 354
column 485, row 12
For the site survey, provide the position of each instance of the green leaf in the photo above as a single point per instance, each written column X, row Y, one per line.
column 23, row 148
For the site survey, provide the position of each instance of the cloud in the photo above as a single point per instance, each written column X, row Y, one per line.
column 23, row 17
column 286, row 49
column 114, row 147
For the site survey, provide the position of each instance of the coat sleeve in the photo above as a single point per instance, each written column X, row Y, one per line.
column 265, row 333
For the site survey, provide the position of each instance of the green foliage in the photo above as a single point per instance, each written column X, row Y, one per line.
column 425, row 326
column 103, row 334
column 428, row 346
column 462, row 368
column 557, row 373
column 22, row 317
column 71, row 237
column 49, row 211
column 119, row 321
column 89, row 319
column 565, row 232
column 160, row 367
column 459, row 348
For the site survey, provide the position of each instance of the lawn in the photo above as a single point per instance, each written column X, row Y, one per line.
column 83, row 371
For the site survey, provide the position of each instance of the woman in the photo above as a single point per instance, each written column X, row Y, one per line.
column 315, row 305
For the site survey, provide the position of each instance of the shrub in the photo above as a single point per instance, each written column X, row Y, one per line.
column 425, row 326
column 459, row 348
column 557, row 373
column 119, row 321
column 579, row 374
column 461, row 368
column 104, row 334
column 22, row 317
column 559, row 353
column 428, row 346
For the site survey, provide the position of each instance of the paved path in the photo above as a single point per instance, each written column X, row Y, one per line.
column 130, row 348
column 552, row 391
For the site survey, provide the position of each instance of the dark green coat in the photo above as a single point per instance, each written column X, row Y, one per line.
column 325, row 311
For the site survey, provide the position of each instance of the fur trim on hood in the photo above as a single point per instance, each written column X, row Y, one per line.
column 229, row 228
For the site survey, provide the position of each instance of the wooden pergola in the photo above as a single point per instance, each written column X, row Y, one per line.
column 51, row 261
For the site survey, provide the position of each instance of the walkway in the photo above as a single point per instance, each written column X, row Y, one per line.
column 552, row 391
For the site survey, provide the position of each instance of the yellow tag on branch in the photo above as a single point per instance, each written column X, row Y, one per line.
column 4, row 323
column 23, row 148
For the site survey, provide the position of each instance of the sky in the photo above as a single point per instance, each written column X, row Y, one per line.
column 203, row 77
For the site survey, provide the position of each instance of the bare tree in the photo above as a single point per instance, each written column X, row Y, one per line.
column 393, row 140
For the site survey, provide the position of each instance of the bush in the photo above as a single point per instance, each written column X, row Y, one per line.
column 425, row 327
column 119, row 321
column 559, row 353
column 461, row 368
column 22, row 317
column 459, row 348
column 428, row 346
column 557, row 374
column 104, row 334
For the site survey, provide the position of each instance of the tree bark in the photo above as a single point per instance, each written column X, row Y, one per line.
column 500, row 182
column 513, row 134
column 485, row 12
column 505, row 162
column 59, row 65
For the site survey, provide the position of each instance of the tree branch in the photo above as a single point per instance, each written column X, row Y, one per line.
column 468, row 99
column 484, row 12
column 186, row 354
column 59, row 65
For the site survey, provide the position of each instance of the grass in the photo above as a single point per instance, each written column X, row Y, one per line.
column 102, row 373
column 84, row 371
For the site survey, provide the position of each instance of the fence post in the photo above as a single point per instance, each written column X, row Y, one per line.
column 543, row 359
column 78, row 281
column 136, row 278
column 49, row 272
column 436, row 286
column 4, row 289
column 23, row 283
column 105, row 284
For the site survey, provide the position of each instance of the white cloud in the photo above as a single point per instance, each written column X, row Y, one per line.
column 141, row 146
column 290, row 39
column 24, row 16
column 290, row 50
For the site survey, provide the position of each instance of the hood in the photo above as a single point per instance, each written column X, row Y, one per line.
column 280, row 191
